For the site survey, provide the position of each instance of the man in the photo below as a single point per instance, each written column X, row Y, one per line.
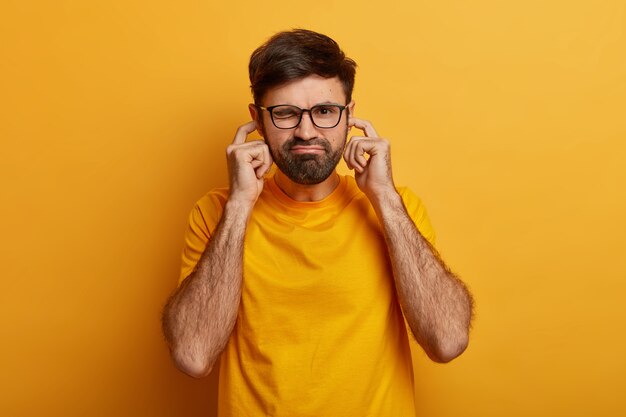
column 297, row 281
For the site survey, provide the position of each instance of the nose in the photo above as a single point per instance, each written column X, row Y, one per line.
column 306, row 129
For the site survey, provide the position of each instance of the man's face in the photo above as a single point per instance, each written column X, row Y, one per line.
column 306, row 154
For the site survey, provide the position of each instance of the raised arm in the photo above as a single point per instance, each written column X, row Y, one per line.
column 437, row 305
column 199, row 317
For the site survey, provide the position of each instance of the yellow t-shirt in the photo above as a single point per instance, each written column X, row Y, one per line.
column 319, row 330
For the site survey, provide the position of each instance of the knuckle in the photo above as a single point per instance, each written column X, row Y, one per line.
column 238, row 151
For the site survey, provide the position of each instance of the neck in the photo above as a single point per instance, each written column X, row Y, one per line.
column 304, row 192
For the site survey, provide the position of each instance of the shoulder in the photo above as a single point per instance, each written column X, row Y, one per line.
column 409, row 197
column 213, row 200
column 208, row 209
column 417, row 211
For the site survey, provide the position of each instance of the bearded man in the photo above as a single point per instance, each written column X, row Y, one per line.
column 299, row 280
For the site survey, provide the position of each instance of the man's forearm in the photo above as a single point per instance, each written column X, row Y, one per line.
column 436, row 304
column 199, row 318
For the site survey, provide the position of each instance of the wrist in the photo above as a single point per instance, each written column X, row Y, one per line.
column 238, row 208
column 385, row 199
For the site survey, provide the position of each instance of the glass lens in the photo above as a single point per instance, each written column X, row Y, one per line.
column 286, row 117
column 326, row 115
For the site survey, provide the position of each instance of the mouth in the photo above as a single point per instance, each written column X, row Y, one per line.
column 310, row 149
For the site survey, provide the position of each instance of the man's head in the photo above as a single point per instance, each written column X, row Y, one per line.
column 303, row 69
column 292, row 55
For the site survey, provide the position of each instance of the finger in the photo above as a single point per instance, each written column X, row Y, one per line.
column 255, row 151
column 267, row 163
column 354, row 149
column 243, row 132
column 347, row 154
column 246, row 150
column 354, row 155
column 365, row 148
column 255, row 163
column 365, row 126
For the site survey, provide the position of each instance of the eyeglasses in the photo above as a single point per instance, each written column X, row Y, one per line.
column 325, row 116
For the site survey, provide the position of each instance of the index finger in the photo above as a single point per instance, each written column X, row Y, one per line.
column 365, row 126
column 243, row 132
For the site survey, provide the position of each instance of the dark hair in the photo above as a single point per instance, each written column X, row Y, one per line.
column 295, row 54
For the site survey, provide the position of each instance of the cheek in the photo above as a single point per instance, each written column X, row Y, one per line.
column 276, row 139
column 341, row 136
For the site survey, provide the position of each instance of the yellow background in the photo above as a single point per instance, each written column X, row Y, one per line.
column 507, row 117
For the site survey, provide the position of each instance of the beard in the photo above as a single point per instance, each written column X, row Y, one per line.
column 307, row 169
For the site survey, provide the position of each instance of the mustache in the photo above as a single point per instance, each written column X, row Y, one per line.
column 310, row 142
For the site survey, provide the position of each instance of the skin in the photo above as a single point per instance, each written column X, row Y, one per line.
column 437, row 305
column 305, row 94
column 199, row 317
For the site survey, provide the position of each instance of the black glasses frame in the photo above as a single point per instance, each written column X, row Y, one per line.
column 270, row 109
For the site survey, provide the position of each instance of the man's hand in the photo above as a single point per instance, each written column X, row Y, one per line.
column 248, row 162
column 199, row 317
column 372, row 174
column 437, row 305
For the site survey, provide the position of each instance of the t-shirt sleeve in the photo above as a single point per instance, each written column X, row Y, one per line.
column 203, row 220
column 418, row 214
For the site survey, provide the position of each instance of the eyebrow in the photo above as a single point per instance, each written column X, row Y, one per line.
column 317, row 104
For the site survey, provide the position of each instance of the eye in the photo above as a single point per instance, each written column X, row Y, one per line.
column 285, row 112
column 325, row 110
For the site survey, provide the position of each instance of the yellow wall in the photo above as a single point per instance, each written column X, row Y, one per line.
column 507, row 117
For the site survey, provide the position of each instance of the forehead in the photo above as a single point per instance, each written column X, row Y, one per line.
column 306, row 92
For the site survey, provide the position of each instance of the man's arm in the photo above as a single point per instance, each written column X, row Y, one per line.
column 199, row 317
column 437, row 305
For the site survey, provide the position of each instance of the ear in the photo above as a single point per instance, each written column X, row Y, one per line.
column 350, row 107
column 257, row 116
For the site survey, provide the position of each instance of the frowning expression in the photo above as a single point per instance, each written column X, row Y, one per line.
column 306, row 154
